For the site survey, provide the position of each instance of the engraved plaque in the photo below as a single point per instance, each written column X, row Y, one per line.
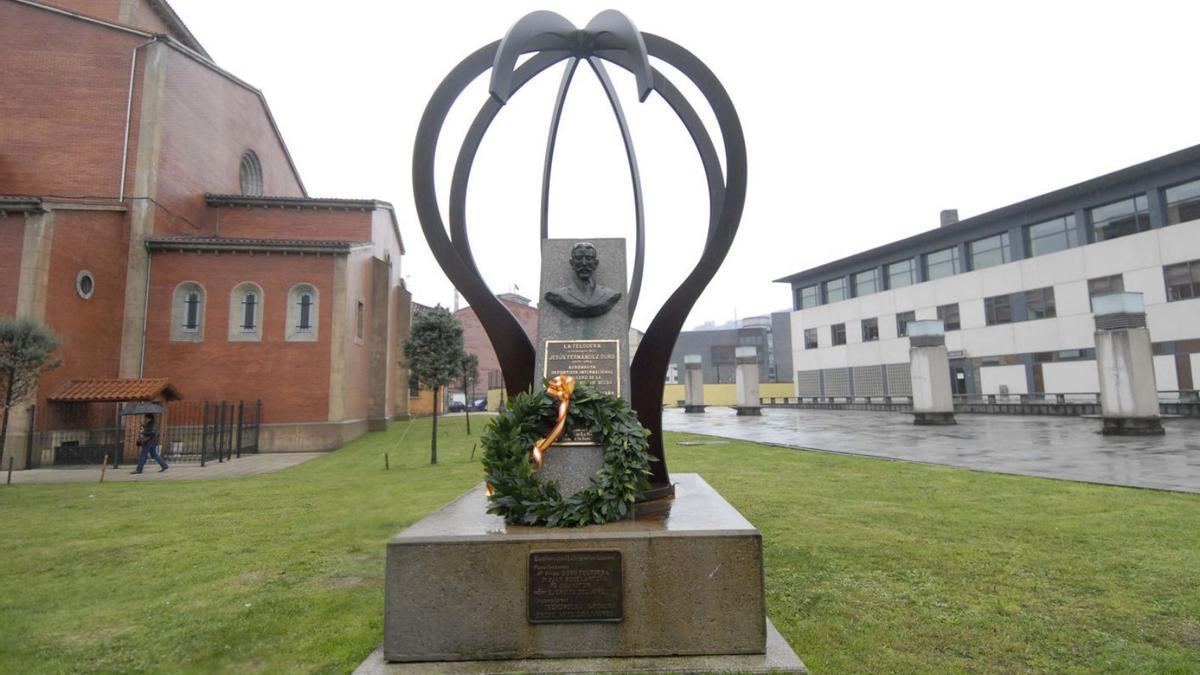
column 595, row 362
column 574, row 586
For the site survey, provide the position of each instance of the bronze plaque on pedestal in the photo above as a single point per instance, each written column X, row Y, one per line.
column 574, row 586
column 596, row 363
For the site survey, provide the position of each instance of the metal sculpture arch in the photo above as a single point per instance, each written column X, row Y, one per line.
column 610, row 36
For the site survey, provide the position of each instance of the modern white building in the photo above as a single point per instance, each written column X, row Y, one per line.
column 1014, row 287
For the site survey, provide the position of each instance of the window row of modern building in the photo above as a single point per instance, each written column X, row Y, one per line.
column 1171, row 205
column 1181, row 282
column 1014, row 288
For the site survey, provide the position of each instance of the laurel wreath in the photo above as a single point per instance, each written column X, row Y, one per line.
column 516, row 492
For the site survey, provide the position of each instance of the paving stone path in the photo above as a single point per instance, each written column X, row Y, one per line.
column 1069, row 448
column 249, row 465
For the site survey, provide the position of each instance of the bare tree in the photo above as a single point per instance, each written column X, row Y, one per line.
column 470, row 375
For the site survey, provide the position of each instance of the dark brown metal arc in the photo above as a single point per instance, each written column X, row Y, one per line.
column 537, row 31
column 611, row 26
column 503, row 330
column 467, row 152
column 726, row 198
column 635, row 177
column 654, row 353
column 716, row 188
column 552, row 140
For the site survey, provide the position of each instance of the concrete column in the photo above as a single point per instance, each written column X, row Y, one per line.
column 929, row 363
column 693, row 383
column 338, row 335
column 378, row 413
column 747, row 381
column 142, row 210
column 32, row 294
column 1125, row 361
column 403, row 324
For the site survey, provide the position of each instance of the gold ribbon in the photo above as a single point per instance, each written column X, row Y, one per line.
column 561, row 388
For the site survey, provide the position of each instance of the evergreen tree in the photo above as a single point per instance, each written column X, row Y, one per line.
column 434, row 350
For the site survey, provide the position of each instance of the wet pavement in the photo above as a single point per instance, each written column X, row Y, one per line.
column 1069, row 448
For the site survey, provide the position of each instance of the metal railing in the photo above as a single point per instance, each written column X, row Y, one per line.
column 190, row 431
column 830, row 400
column 1172, row 403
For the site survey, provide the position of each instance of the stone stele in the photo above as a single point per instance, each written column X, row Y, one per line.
column 458, row 587
column 572, row 464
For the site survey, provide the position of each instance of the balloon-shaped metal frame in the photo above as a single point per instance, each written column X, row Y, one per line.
column 612, row 37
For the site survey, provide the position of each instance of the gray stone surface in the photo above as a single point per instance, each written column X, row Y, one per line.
column 779, row 658
column 553, row 324
column 456, row 584
column 1069, row 448
column 572, row 466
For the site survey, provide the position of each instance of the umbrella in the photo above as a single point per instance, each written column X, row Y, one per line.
column 142, row 409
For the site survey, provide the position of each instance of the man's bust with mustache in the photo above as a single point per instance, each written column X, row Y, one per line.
column 584, row 298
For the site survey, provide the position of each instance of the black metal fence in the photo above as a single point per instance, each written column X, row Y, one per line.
column 190, row 431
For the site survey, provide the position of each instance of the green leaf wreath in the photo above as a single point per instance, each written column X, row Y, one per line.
column 522, row 499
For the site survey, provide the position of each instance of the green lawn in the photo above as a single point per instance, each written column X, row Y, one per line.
column 872, row 566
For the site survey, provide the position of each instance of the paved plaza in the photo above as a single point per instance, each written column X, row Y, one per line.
column 1052, row 447
column 248, row 465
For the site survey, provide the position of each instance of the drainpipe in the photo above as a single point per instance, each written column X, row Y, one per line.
column 145, row 315
column 129, row 116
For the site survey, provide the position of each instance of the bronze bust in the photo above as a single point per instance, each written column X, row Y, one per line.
column 584, row 298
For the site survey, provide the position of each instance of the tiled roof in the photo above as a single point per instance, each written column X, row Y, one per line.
column 238, row 244
column 20, row 203
column 298, row 202
column 117, row 391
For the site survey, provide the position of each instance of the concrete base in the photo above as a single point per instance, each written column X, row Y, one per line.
column 938, row 419
column 309, row 436
column 748, row 410
column 1132, row 426
column 779, row 659
column 694, row 408
column 691, row 584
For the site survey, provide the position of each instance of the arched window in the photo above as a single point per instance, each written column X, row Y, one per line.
column 245, row 312
column 187, row 313
column 303, row 315
column 251, row 175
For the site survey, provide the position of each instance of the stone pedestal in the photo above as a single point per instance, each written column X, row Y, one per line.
column 1125, row 362
column 747, row 381
column 933, row 403
column 690, row 582
column 693, row 384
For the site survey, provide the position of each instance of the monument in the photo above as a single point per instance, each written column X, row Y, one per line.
column 583, row 329
column 676, row 584
column 929, row 368
column 1125, row 365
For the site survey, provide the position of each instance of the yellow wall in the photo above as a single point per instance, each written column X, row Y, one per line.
column 726, row 394
column 422, row 404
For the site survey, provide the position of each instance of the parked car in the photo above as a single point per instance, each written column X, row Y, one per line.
column 480, row 405
column 456, row 406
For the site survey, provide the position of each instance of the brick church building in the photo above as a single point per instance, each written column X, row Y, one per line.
column 150, row 214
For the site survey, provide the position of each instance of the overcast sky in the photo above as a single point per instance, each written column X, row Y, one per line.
column 862, row 120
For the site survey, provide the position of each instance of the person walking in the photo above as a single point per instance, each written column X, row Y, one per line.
column 148, row 440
